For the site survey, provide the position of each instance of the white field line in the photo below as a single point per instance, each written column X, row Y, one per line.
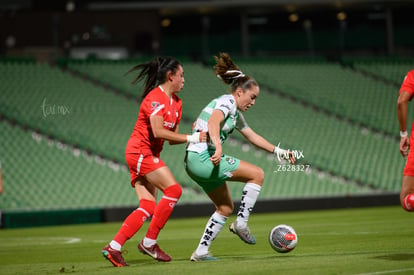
column 388, row 271
column 23, row 241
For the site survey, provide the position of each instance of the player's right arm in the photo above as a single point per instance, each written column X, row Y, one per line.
column 402, row 104
column 214, row 122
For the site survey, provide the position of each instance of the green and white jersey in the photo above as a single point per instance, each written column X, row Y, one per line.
column 232, row 119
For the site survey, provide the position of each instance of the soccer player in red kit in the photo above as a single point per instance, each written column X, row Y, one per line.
column 158, row 119
column 407, row 187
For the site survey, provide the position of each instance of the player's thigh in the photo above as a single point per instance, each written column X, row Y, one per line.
column 407, row 186
column 247, row 172
column 161, row 178
column 222, row 200
column 145, row 190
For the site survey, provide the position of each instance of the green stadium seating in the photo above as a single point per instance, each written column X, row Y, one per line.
column 110, row 73
column 332, row 88
column 202, row 83
column 43, row 174
column 93, row 107
column 391, row 69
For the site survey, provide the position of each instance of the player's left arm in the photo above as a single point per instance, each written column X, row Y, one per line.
column 257, row 139
column 262, row 143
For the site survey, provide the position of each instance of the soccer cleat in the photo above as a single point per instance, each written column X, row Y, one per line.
column 154, row 252
column 200, row 258
column 114, row 256
column 243, row 233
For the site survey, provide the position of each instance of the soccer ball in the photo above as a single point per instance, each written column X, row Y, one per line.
column 283, row 238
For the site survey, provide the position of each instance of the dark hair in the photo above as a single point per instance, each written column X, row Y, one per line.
column 231, row 74
column 155, row 72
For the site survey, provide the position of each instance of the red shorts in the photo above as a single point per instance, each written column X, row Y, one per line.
column 409, row 165
column 140, row 165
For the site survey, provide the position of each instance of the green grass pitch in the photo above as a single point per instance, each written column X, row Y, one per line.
column 347, row 241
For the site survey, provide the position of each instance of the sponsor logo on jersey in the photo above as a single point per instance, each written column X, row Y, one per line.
column 225, row 106
column 170, row 125
column 230, row 161
column 155, row 105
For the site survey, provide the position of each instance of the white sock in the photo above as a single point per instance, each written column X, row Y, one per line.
column 149, row 242
column 250, row 194
column 115, row 245
column 213, row 227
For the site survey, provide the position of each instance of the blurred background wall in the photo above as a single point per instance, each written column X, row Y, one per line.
column 264, row 27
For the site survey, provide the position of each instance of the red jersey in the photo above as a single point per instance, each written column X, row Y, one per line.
column 408, row 83
column 408, row 86
column 156, row 103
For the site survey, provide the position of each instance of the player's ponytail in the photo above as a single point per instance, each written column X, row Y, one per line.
column 231, row 74
column 154, row 72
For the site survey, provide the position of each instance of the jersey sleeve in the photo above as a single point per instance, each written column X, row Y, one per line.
column 408, row 83
column 241, row 122
column 153, row 106
column 226, row 104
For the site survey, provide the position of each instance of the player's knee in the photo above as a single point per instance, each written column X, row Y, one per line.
column 173, row 191
column 407, row 202
column 148, row 206
column 255, row 174
column 258, row 176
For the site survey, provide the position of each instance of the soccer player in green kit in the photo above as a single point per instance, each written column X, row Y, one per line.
column 207, row 165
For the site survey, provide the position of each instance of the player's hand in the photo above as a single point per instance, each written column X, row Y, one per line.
column 283, row 154
column 291, row 159
column 404, row 146
column 216, row 157
column 203, row 136
column 197, row 137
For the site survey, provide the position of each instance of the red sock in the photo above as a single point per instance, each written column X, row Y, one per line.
column 134, row 221
column 409, row 202
column 163, row 210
